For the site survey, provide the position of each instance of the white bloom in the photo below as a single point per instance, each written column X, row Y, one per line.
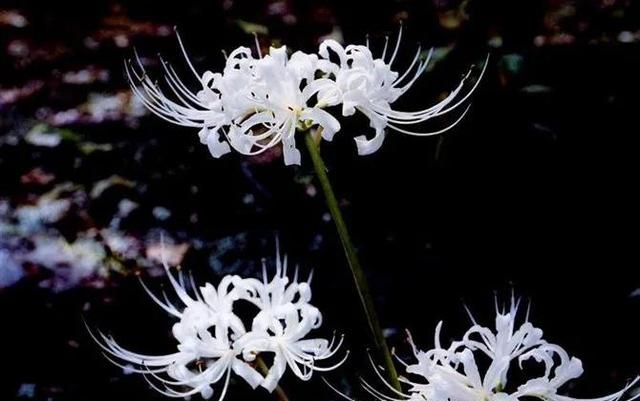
column 281, row 327
column 277, row 107
column 257, row 103
column 213, row 341
column 370, row 85
column 454, row 373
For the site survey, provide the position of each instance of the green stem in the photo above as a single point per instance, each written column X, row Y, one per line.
column 352, row 257
column 264, row 369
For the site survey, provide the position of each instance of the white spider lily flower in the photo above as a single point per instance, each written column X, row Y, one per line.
column 453, row 373
column 370, row 85
column 205, row 330
column 213, row 341
column 257, row 103
column 282, row 325
column 278, row 107
column 285, row 338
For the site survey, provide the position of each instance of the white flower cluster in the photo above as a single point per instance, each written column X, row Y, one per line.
column 214, row 341
column 454, row 373
column 257, row 103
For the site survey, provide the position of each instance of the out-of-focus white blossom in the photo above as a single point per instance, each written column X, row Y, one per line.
column 11, row 269
column 480, row 365
column 70, row 263
column 214, row 342
column 257, row 103
column 46, row 210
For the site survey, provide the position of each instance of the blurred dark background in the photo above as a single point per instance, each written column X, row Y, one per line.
column 535, row 192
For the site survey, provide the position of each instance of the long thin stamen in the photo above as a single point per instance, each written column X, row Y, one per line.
column 438, row 132
column 340, row 393
column 386, row 44
column 257, row 42
column 395, row 51
column 186, row 56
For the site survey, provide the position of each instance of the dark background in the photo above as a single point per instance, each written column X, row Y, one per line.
column 534, row 192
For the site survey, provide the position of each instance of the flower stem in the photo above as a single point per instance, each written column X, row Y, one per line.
column 264, row 369
column 352, row 257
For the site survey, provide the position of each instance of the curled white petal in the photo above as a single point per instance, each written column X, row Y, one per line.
column 368, row 146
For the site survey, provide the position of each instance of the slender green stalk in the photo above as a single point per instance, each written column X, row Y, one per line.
column 264, row 369
column 352, row 257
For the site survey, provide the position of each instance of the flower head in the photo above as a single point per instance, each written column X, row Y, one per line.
column 214, row 342
column 257, row 103
column 364, row 83
column 454, row 373
column 282, row 325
